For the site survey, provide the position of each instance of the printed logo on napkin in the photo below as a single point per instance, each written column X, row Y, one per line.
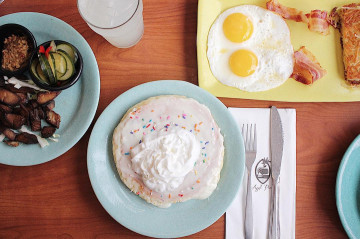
column 262, row 174
column 263, row 170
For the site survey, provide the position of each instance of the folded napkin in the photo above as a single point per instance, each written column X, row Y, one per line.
column 235, row 216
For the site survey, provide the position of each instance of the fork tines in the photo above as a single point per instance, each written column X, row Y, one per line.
column 249, row 134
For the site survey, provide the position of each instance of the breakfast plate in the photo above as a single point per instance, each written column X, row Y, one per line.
column 327, row 50
column 348, row 190
column 181, row 219
column 76, row 105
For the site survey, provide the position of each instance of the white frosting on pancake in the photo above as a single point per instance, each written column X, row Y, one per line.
column 165, row 157
column 169, row 149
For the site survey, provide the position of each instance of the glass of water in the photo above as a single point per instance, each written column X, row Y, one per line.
column 120, row 22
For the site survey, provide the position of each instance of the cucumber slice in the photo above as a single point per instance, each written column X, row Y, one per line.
column 60, row 63
column 33, row 67
column 70, row 67
column 69, row 50
column 46, row 69
column 53, row 46
column 52, row 65
column 41, row 74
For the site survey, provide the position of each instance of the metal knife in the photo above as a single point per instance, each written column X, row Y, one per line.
column 276, row 146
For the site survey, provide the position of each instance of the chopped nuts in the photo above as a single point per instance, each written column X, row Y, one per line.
column 15, row 52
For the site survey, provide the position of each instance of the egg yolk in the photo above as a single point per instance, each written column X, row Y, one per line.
column 243, row 62
column 237, row 27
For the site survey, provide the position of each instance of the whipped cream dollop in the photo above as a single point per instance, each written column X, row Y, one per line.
column 165, row 157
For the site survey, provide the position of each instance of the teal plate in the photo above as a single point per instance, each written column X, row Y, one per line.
column 76, row 105
column 131, row 211
column 348, row 190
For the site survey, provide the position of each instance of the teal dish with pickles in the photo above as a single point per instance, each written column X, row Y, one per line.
column 56, row 65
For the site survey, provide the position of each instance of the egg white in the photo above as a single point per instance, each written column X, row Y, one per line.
column 270, row 42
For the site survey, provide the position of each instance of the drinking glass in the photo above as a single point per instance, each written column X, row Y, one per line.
column 120, row 22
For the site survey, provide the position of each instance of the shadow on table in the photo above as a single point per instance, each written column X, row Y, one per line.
column 190, row 31
column 326, row 181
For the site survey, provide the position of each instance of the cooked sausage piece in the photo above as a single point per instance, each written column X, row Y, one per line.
column 53, row 118
column 47, row 131
column 41, row 113
column 33, row 104
column 5, row 108
column 8, row 97
column 50, row 105
column 12, row 143
column 9, row 134
column 35, row 120
column 24, row 111
column 13, row 121
column 22, row 89
column 26, row 138
column 45, row 97
column 23, row 97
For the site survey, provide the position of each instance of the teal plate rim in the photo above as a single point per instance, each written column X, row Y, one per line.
column 181, row 219
column 349, row 225
column 77, row 105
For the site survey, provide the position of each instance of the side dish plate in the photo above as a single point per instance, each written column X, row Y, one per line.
column 76, row 105
column 327, row 49
column 348, row 190
column 131, row 211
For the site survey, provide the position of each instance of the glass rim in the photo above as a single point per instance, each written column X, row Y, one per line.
column 88, row 22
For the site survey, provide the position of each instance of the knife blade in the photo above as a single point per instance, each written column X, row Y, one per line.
column 276, row 147
column 276, row 142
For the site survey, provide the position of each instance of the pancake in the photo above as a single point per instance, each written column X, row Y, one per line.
column 169, row 149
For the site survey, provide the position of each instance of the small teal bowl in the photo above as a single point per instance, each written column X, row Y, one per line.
column 348, row 190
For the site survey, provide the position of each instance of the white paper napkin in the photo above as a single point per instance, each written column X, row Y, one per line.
column 260, row 185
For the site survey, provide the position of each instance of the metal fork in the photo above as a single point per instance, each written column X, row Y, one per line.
column 249, row 134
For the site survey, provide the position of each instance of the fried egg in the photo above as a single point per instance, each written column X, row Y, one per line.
column 249, row 48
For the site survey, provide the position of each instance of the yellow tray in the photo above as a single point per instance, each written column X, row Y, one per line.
column 327, row 49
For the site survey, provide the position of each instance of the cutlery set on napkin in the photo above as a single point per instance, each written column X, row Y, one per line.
column 265, row 204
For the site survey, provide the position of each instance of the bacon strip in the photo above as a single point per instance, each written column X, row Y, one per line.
column 286, row 12
column 318, row 22
column 334, row 18
column 306, row 68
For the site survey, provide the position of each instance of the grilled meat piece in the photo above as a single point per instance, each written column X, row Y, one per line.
column 23, row 97
column 26, row 138
column 33, row 104
column 13, row 121
column 24, row 111
column 8, row 132
column 41, row 112
column 50, row 105
column 53, row 118
column 5, row 108
column 23, row 89
column 8, row 97
column 35, row 120
column 45, row 97
column 12, row 143
column 47, row 131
